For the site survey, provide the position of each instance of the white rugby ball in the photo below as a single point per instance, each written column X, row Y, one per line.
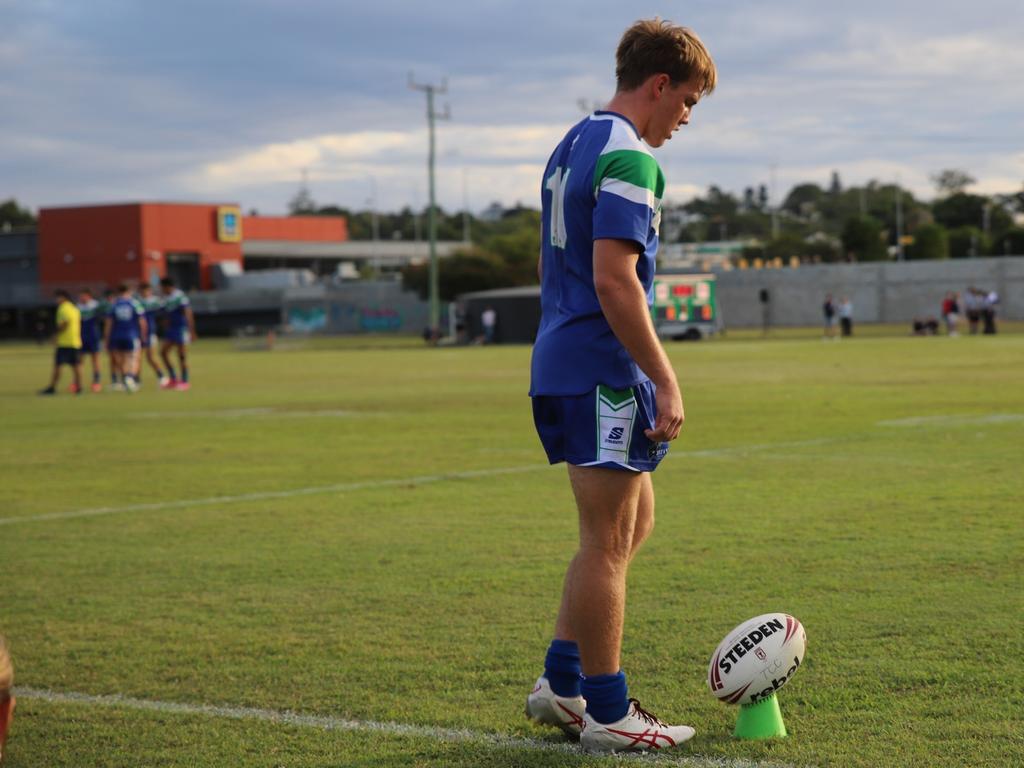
column 757, row 658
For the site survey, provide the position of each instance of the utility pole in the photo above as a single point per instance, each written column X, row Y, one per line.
column 465, row 208
column 431, row 90
column 772, row 204
column 375, row 229
column 899, row 221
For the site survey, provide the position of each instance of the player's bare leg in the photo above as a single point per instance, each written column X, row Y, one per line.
column 642, row 527
column 183, row 383
column 607, row 500
column 165, row 355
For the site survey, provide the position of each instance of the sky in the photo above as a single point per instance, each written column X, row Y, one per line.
column 237, row 101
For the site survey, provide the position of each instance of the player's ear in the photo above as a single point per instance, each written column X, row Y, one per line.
column 659, row 83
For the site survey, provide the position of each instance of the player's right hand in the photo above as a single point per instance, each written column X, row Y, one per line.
column 669, row 414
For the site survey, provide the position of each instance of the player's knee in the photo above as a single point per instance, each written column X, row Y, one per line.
column 612, row 552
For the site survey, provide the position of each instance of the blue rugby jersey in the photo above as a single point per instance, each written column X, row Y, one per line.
column 91, row 314
column 152, row 306
column 174, row 309
column 601, row 182
column 125, row 313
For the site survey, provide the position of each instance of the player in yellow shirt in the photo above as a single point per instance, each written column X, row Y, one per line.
column 69, row 343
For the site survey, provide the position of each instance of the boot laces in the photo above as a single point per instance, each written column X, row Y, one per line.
column 649, row 717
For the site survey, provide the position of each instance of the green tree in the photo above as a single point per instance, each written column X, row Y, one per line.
column 965, row 242
column 1010, row 243
column 862, row 237
column 952, row 181
column 13, row 215
column 465, row 271
column 930, row 242
column 804, row 199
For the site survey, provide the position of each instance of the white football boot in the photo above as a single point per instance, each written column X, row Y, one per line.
column 638, row 731
column 545, row 706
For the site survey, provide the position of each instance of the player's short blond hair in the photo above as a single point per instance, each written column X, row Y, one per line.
column 654, row 47
column 6, row 670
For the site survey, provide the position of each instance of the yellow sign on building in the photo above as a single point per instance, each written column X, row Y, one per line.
column 229, row 224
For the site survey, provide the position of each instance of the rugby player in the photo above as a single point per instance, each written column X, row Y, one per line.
column 125, row 327
column 605, row 396
column 92, row 333
column 153, row 307
column 179, row 332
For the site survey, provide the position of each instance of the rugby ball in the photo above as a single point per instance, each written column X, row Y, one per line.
column 757, row 658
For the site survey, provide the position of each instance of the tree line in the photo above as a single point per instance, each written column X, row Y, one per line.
column 815, row 223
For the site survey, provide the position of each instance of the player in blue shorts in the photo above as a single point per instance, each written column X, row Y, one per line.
column 109, row 297
column 605, row 396
column 125, row 327
column 92, row 333
column 179, row 331
column 153, row 307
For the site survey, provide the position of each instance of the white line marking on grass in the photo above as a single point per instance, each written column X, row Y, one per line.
column 329, row 723
column 265, row 495
column 252, row 413
column 955, row 421
column 366, row 484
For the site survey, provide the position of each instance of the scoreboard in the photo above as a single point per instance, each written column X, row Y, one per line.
column 685, row 306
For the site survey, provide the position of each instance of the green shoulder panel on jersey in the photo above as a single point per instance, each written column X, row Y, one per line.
column 626, row 168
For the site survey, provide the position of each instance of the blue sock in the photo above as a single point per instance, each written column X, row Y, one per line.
column 184, row 373
column 562, row 667
column 606, row 695
column 171, row 373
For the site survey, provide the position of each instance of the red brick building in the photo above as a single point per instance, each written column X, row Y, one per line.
column 102, row 245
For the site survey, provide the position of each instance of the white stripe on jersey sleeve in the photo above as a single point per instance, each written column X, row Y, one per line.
column 631, row 192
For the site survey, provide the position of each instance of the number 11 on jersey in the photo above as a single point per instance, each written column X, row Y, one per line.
column 557, row 183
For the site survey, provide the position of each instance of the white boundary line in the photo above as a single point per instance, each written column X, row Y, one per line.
column 954, row 421
column 357, row 486
column 329, row 723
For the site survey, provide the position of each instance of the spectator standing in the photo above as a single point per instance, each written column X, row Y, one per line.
column 846, row 316
column 489, row 318
column 973, row 307
column 988, row 311
column 829, row 311
column 950, row 313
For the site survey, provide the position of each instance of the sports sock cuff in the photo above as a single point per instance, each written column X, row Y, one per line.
column 562, row 667
column 607, row 697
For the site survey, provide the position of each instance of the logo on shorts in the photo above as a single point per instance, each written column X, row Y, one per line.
column 615, row 435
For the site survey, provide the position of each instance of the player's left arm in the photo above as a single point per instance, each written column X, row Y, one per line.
column 191, row 318
column 624, row 304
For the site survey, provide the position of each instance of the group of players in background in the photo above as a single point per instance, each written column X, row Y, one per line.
column 128, row 326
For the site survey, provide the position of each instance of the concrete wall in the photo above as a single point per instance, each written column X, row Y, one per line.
column 886, row 292
column 359, row 307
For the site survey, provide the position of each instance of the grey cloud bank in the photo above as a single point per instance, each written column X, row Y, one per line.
column 232, row 100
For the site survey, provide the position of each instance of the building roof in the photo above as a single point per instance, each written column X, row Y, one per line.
column 395, row 252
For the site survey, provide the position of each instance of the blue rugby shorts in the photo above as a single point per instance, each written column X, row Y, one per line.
column 602, row 428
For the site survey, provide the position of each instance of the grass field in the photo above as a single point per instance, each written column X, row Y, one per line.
column 370, row 539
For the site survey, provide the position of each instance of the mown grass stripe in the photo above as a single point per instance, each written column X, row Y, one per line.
column 363, row 485
column 331, row 723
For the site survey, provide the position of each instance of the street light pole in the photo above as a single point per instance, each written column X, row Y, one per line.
column 432, row 115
